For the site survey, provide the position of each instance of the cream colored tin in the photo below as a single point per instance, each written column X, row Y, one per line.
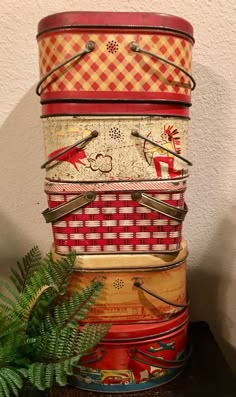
column 108, row 148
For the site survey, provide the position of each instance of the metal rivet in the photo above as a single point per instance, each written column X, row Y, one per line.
column 90, row 45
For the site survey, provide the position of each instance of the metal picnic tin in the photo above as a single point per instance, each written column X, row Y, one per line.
column 136, row 288
column 123, row 217
column 115, row 56
column 99, row 148
column 136, row 357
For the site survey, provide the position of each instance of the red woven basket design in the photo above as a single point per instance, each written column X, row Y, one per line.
column 113, row 222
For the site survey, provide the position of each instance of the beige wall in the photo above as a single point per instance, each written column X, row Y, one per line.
column 210, row 227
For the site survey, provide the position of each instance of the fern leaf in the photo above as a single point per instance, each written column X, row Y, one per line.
column 11, row 380
column 7, row 300
column 90, row 336
column 30, row 263
column 10, row 289
column 36, row 375
column 4, row 387
column 77, row 306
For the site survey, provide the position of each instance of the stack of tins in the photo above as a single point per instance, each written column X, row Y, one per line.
column 115, row 92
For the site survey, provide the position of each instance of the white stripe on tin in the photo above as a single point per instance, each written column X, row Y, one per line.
column 92, row 236
column 110, row 248
column 94, row 248
column 92, row 223
column 160, row 235
column 91, row 211
column 76, row 236
column 61, row 224
column 126, row 235
column 142, row 235
column 172, row 247
column 109, row 235
column 109, row 210
column 61, row 236
column 126, row 222
column 142, row 210
column 142, row 247
column 109, row 223
column 161, row 222
column 163, row 247
column 127, row 247
column 125, row 197
column 107, row 197
column 175, row 234
column 126, row 210
column 75, row 223
column 63, row 249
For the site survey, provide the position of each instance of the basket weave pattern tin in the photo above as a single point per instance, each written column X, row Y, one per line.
column 114, row 222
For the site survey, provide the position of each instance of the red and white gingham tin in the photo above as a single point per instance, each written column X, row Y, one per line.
column 136, row 357
column 106, row 56
column 110, row 148
column 116, row 217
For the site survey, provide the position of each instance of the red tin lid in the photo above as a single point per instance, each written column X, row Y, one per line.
column 112, row 108
column 128, row 20
column 125, row 332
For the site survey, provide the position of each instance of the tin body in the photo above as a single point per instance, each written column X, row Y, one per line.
column 109, row 64
column 116, row 217
column 117, row 153
column 153, row 291
column 136, row 357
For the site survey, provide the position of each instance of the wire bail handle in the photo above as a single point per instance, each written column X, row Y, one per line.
column 135, row 48
column 80, row 143
column 89, row 47
column 138, row 282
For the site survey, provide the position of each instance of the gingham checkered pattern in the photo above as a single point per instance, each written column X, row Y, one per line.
column 120, row 71
column 115, row 223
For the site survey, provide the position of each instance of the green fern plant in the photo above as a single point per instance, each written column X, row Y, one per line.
column 40, row 339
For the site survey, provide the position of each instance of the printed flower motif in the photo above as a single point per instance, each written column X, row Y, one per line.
column 101, row 163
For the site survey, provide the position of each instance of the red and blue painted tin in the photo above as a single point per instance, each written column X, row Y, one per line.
column 136, row 357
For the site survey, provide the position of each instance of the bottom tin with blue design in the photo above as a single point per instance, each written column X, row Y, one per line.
column 136, row 357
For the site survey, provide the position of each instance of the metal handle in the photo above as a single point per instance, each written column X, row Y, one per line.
column 93, row 134
column 89, row 47
column 138, row 135
column 159, row 362
column 53, row 214
column 96, row 358
column 138, row 282
column 154, row 204
column 135, row 47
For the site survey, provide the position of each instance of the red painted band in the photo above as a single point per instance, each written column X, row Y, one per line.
column 111, row 96
column 103, row 108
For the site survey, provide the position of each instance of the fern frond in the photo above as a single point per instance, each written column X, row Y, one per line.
column 59, row 271
column 90, row 336
column 77, row 306
column 11, row 381
column 7, row 300
column 10, row 289
column 30, row 263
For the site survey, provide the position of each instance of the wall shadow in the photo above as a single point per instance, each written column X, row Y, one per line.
column 22, row 197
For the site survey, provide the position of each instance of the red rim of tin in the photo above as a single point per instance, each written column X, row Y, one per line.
column 126, row 332
column 110, row 20
column 113, row 108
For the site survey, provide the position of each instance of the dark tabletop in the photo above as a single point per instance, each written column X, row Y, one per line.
column 207, row 374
